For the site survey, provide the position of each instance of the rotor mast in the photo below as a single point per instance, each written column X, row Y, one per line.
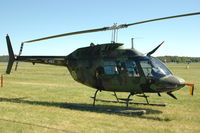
column 114, row 29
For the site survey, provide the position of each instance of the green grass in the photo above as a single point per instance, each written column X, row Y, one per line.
column 45, row 98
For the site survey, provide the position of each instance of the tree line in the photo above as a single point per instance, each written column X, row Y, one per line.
column 176, row 59
column 4, row 58
column 179, row 59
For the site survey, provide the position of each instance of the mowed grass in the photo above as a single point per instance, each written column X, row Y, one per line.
column 43, row 98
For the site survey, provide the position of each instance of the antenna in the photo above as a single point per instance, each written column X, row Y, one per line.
column 132, row 43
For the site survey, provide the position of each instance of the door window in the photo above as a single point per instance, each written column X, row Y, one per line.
column 146, row 67
column 110, row 68
column 131, row 69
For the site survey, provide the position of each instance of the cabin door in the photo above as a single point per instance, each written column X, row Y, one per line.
column 120, row 76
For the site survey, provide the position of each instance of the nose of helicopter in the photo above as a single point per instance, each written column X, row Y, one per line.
column 171, row 83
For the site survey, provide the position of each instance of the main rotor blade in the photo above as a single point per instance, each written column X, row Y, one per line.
column 68, row 34
column 110, row 28
column 170, row 17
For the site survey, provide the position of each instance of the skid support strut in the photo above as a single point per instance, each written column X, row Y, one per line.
column 128, row 99
column 146, row 97
column 116, row 96
column 94, row 98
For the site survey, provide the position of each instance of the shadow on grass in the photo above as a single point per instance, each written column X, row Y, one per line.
column 107, row 109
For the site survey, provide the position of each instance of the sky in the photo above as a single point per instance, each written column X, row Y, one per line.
column 30, row 19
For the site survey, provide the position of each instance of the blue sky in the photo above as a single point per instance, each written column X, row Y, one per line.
column 29, row 19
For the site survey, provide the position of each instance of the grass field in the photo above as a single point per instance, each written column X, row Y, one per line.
column 44, row 98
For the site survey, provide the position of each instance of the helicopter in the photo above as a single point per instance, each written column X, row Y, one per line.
column 110, row 67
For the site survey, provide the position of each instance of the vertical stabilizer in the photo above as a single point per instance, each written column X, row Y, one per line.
column 11, row 55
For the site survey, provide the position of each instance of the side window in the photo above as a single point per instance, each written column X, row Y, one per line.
column 146, row 67
column 110, row 68
column 131, row 69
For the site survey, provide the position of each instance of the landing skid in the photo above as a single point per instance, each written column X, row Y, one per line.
column 127, row 100
column 151, row 104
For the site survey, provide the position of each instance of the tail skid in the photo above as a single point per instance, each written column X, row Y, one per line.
column 11, row 55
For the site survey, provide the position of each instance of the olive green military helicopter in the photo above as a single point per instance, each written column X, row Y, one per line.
column 110, row 67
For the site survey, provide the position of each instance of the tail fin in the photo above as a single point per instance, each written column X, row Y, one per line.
column 11, row 55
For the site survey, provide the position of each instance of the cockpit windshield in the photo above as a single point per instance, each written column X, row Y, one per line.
column 154, row 67
column 159, row 67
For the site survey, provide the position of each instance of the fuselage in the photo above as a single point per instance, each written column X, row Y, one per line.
column 109, row 67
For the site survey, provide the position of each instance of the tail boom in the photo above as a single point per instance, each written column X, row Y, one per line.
column 52, row 60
